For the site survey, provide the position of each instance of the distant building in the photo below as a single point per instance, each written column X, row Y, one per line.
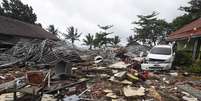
column 12, row 31
column 188, row 38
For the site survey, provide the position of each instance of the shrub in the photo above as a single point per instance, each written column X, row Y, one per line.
column 183, row 58
column 195, row 67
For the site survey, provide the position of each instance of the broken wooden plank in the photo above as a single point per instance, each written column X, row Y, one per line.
column 11, row 84
column 66, row 86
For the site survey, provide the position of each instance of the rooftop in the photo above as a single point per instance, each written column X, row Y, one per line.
column 13, row 27
column 188, row 31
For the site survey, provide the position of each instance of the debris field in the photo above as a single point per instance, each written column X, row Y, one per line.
column 53, row 71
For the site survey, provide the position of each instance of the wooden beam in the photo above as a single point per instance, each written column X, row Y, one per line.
column 195, row 49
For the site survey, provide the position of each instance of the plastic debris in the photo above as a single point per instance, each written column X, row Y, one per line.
column 132, row 77
column 112, row 95
column 119, row 65
column 133, row 91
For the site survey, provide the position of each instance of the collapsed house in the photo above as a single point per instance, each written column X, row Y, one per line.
column 34, row 61
column 13, row 31
column 17, row 37
column 33, row 50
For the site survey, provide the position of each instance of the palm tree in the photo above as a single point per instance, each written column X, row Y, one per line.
column 52, row 29
column 132, row 40
column 98, row 40
column 89, row 41
column 72, row 34
column 115, row 40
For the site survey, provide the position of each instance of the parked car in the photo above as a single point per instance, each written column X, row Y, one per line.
column 160, row 57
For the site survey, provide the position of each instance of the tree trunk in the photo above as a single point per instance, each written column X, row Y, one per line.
column 90, row 47
column 72, row 41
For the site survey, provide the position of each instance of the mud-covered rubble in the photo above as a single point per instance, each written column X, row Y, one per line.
column 114, row 80
column 119, row 79
column 9, row 74
column 124, row 81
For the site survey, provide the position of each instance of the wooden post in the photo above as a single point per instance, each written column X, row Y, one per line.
column 15, row 93
column 195, row 49
column 198, row 49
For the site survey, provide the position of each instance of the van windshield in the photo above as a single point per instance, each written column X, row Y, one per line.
column 160, row 50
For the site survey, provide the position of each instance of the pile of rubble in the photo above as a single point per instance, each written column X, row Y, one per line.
column 52, row 71
column 137, row 49
column 37, row 52
column 122, row 82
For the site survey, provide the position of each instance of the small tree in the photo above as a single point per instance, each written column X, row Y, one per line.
column 98, row 41
column 89, row 41
column 149, row 29
column 132, row 40
column 116, row 40
column 17, row 10
column 72, row 34
column 101, row 37
column 193, row 11
column 52, row 29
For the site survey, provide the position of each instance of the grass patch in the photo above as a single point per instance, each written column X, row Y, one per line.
column 195, row 67
column 183, row 58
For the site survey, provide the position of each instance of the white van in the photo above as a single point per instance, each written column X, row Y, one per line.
column 160, row 57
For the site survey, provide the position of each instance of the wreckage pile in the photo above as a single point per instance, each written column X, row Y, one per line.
column 101, row 75
column 137, row 49
column 37, row 52
column 122, row 82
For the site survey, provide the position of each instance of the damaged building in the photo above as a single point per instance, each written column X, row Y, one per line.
column 187, row 39
column 12, row 31
column 36, row 68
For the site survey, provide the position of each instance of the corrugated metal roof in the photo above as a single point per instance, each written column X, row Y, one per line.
column 188, row 31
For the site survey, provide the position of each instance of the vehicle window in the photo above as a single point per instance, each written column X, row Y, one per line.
column 160, row 50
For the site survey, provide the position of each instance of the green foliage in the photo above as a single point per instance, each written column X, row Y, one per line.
column 195, row 67
column 194, row 9
column 115, row 40
column 89, row 41
column 150, row 29
column 132, row 40
column 98, row 40
column 17, row 10
column 180, row 21
column 101, row 37
column 183, row 58
column 193, row 12
column 72, row 34
column 52, row 29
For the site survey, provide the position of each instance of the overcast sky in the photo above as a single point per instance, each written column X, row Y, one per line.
column 87, row 14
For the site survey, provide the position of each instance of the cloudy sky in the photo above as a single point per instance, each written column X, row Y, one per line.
column 87, row 14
